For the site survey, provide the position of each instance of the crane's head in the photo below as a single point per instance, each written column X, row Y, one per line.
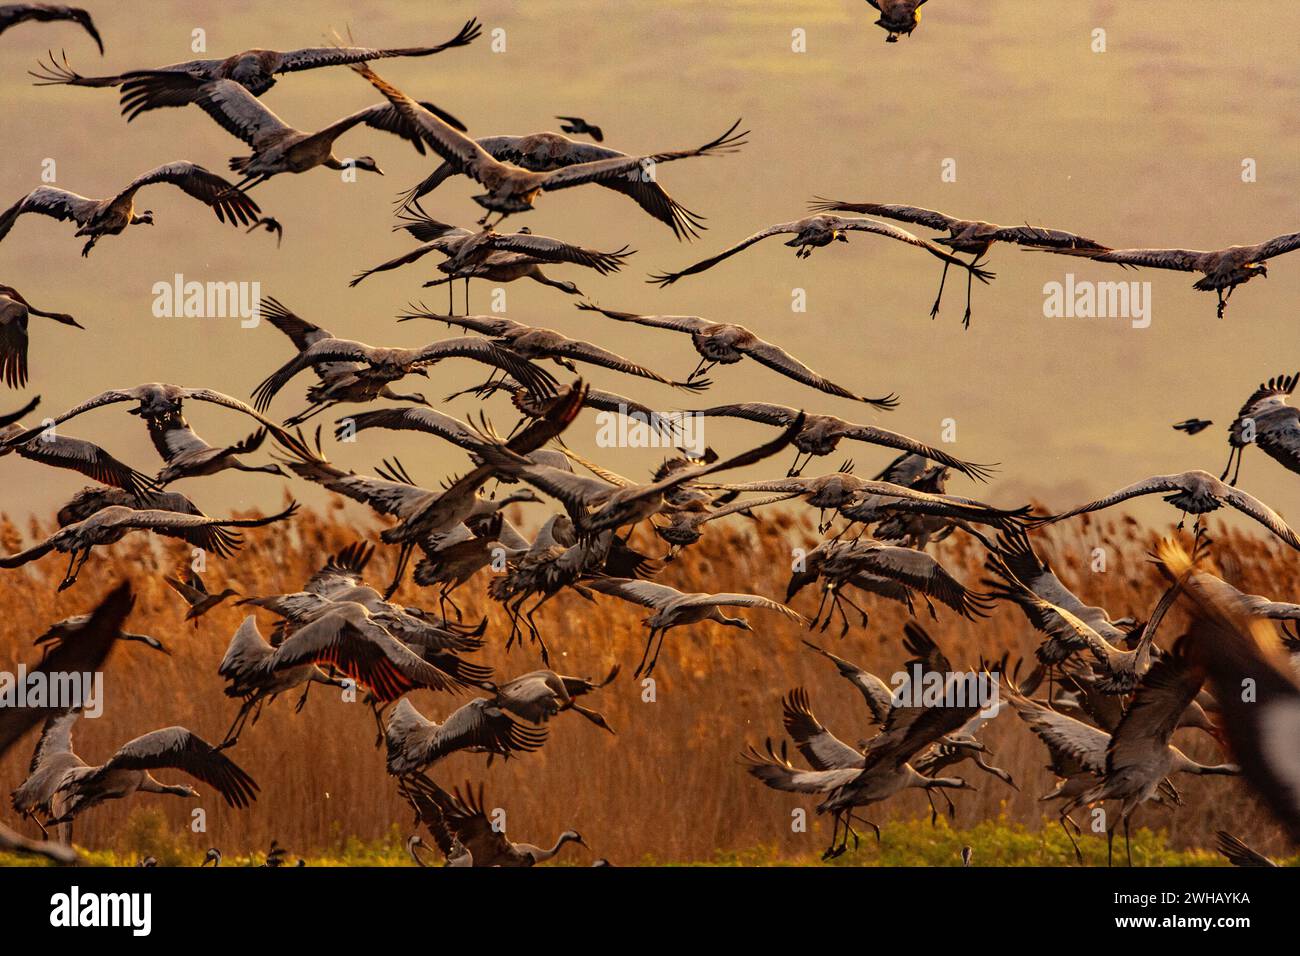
column 573, row 836
column 368, row 164
column 800, row 580
column 143, row 219
column 519, row 497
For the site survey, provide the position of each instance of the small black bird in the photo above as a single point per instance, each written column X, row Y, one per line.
column 1193, row 426
column 578, row 125
column 271, row 225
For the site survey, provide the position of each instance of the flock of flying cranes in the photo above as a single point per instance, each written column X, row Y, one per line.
column 1111, row 697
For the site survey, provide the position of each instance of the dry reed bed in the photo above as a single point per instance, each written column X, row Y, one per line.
column 668, row 786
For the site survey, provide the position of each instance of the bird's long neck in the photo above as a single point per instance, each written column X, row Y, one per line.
column 512, row 498
column 410, row 848
column 537, row 275
column 1185, row 764
column 1214, row 770
column 548, row 854
column 238, row 465
column 945, row 783
column 150, row 785
column 388, row 393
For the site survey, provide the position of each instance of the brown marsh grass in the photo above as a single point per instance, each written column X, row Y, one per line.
column 668, row 787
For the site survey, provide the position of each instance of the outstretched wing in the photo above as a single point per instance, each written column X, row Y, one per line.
column 821, row 748
column 1017, row 551
column 1149, row 486
column 364, row 651
column 199, row 530
column 13, row 14
column 645, row 191
column 1180, row 260
column 425, row 420
column 727, row 599
column 879, row 698
column 219, row 194
column 780, row 415
column 1250, row 505
column 87, row 653
column 230, row 104
column 668, row 278
column 609, row 170
column 922, row 217
column 87, row 458
column 645, row 593
column 48, row 201
column 312, row 58
column 778, row 359
column 1276, row 246
column 180, row 749
column 1166, row 690
column 448, row 142
column 675, row 323
column 901, row 235
column 1072, row 743
column 554, row 250
column 891, row 439
column 218, row 398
